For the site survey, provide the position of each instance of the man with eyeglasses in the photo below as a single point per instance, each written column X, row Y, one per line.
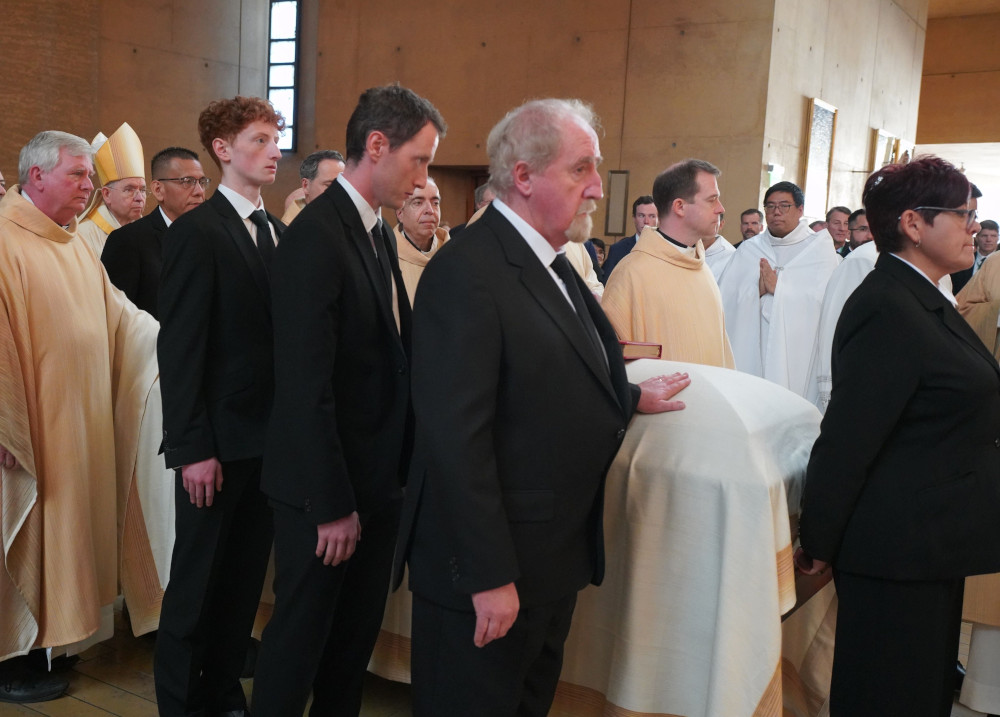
column 986, row 246
column 132, row 254
column 772, row 292
column 122, row 199
column 858, row 232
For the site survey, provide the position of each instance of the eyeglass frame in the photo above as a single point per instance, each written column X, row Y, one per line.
column 130, row 192
column 785, row 207
column 970, row 214
column 187, row 182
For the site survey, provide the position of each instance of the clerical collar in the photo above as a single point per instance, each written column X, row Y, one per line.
column 672, row 240
column 434, row 241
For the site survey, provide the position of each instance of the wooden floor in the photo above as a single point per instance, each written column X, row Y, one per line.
column 116, row 678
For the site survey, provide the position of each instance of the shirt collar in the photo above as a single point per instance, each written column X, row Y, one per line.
column 368, row 215
column 165, row 217
column 241, row 204
column 944, row 292
column 538, row 244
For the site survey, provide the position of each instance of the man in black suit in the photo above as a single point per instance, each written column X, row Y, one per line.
column 217, row 376
column 133, row 254
column 521, row 402
column 339, row 439
column 643, row 215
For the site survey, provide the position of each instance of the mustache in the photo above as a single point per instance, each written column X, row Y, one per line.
column 588, row 206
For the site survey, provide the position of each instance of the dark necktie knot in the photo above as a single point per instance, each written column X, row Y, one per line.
column 265, row 242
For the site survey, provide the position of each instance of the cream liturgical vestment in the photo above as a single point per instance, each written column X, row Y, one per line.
column 660, row 294
column 412, row 261
column 95, row 229
column 773, row 335
column 979, row 303
column 845, row 279
column 71, row 349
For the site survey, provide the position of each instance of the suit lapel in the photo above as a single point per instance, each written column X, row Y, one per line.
column 539, row 283
column 237, row 231
column 933, row 300
column 358, row 238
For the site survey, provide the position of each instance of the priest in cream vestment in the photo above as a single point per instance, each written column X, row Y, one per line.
column 74, row 351
column 772, row 292
column 121, row 199
column 419, row 233
column 663, row 292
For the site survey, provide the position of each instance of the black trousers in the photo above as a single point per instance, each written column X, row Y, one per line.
column 515, row 675
column 326, row 618
column 896, row 646
column 216, row 574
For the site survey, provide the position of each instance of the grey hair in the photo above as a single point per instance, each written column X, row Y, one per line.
column 43, row 149
column 481, row 192
column 531, row 133
column 310, row 165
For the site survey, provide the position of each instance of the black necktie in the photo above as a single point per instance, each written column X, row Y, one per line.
column 562, row 268
column 378, row 244
column 265, row 242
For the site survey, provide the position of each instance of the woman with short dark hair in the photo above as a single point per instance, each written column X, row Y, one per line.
column 902, row 495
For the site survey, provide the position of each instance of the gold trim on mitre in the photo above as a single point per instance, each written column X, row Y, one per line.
column 120, row 156
column 95, row 199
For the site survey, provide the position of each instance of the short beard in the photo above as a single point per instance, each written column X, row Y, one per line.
column 580, row 228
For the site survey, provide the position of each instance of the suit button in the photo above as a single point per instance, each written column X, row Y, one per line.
column 996, row 442
column 308, row 505
column 621, row 433
column 401, row 371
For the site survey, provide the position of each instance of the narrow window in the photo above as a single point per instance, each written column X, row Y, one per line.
column 283, row 67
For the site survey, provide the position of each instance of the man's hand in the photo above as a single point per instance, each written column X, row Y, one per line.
column 7, row 459
column 657, row 392
column 808, row 565
column 202, row 480
column 337, row 540
column 496, row 611
column 768, row 278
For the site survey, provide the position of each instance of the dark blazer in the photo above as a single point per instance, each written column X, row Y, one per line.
column 340, row 433
column 216, row 363
column 616, row 252
column 518, row 420
column 959, row 279
column 133, row 257
column 598, row 270
column 916, row 401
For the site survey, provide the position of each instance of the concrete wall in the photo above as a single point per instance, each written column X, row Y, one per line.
column 863, row 57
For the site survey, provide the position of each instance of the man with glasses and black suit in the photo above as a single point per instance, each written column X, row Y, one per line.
column 133, row 253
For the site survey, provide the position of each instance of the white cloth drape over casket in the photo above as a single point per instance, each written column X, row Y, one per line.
column 699, row 560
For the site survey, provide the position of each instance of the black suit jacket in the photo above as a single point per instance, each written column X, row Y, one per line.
column 133, row 257
column 341, row 432
column 616, row 252
column 215, row 343
column 959, row 279
column 518, row 419
column 904, row 479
